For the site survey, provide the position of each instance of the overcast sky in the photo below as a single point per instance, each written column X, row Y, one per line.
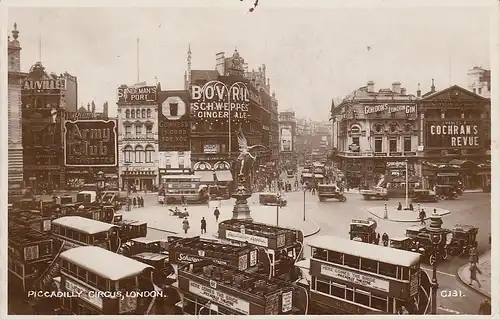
column 312, row 54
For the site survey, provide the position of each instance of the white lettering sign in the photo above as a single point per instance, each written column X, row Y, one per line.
column 216, row 100
column 286, row 302
column 188, row 258
column 461, row 135
column 220, row 298
column 355, row 278
column 253, row 258
column 42, row 85
column 254, row 240
column 83, row 292
column 407, row 109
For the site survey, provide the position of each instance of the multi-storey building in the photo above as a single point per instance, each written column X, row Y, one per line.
column 45, row 99
column 455, row 136
column 479, row 81
column 376, row 132
column 15, row 145
column 215, row 126
column 275, row 134
column 138, row 136
column 287, row 135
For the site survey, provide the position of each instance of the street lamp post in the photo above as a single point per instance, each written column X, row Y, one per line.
column 406, row 182
column 437, row 237
column 278, row 203
column 128, row 186
column 304, row 190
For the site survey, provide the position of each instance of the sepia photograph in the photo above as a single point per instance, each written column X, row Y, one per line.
column 246, row 157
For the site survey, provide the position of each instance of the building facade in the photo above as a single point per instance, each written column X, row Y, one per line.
column 479, row 81
column 376, row 132
column 456, row 137
column 217, row 118
column 45, row 99
column 287, row 133
column 15, row 137
column 138, row 136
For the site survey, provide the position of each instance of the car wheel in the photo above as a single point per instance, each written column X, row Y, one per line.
column 366, row 197
column 442, row 197
column 455, row 196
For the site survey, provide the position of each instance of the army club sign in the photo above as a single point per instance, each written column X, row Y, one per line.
column 90, row 143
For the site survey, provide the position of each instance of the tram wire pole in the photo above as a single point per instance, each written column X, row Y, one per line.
column 406, row 182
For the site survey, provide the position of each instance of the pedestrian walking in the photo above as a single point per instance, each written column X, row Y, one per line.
column 422, row 216
column 185, row 225
column 134, row 201
column 203, row 225
column 216, row 214
column 377, row 239
column 385, row 239
column 485, row 308
column 473, row 274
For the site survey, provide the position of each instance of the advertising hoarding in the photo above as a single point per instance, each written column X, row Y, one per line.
column 355, row 278
column 286, row 138
column 134, row 94
column 220, row 297
column 44, row 85
column 174, row 128
column 90, row 143
column 454, row 134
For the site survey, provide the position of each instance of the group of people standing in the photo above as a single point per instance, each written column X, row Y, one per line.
column 203, row 222
column 136, row 201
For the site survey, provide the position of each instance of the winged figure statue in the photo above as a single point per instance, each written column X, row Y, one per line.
column 246, row 158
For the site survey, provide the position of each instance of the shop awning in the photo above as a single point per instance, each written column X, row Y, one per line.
column 224, row 176
column 458, row 162
column 205, row 176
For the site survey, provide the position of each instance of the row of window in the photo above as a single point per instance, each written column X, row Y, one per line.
column 369, row 265
column 138, row 130
column 139, row 154
column 365, row 298
column 79, row 236
column 378, row 144
column 138, row 113
column 97, row 281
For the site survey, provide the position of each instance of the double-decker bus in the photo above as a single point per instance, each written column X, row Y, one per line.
column 279, row 248
column 74, row 231
column 209, row 288
column 353, row 277
column 174, row 187
column 28, row 255
column 105, row 283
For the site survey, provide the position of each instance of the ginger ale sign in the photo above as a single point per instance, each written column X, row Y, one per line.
column 90, row 143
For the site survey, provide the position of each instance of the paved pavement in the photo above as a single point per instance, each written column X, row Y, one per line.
column 405, row 216
column 484, row 277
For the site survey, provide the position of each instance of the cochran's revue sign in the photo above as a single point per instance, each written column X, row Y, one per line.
column 453, row 134
column 355, row 278
column 136, row 94
column 220, row 298
column 216, row 100
column 255, row 240
column 90, row 143
column 174, row 128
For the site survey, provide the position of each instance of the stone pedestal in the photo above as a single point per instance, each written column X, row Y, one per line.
column 241, row 210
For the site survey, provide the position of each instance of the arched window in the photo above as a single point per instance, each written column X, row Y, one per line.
column 408, row 128
column 132, row 114
column 127, row 154
column 379, row 128
column 138, row 113
column 127, row 113
column 139, row 154
column 355, row 129
column 143, row 113
column 393, row 128
column 150, row 150
column 149, row 113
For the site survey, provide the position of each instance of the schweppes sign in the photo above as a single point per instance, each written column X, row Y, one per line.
column 187, row 258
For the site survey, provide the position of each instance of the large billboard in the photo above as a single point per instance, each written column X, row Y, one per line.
column 286, row 138
column 136, row 94
column 90, row 143
column 174, row 128
column 454, row 134
column 217, row 101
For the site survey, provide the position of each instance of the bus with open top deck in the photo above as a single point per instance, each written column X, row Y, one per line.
column 106, row 283
column 175, row 187
column 352, row 277
column 209, row 288
column 279, row 247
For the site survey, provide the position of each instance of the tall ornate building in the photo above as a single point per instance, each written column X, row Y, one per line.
column 287, row 134
column 480, row 81
column 138, row 136
column 15, row 145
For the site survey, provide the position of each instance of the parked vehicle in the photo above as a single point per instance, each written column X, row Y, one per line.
column 422, row 243
column 446, row 192
column 363, row 230
column 272, row 199
column 463, row 237
column 402, row 243
column 374, row 193
column 86, row 197
column 424, row 195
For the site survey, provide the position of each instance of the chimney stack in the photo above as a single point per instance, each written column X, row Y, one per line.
column 220, row 63
column 419, row 93
column 403, row 91
column 396, row 87
column 433, row 88
column 370, row 87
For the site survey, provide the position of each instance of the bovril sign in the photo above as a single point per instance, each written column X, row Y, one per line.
column 391, row 108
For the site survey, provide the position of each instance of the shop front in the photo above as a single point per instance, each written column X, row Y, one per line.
column 76, row 177
column 139, row 180
column 469, row 174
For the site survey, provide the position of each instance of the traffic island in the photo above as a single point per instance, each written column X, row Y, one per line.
column 405, row 216
column 484, row 277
